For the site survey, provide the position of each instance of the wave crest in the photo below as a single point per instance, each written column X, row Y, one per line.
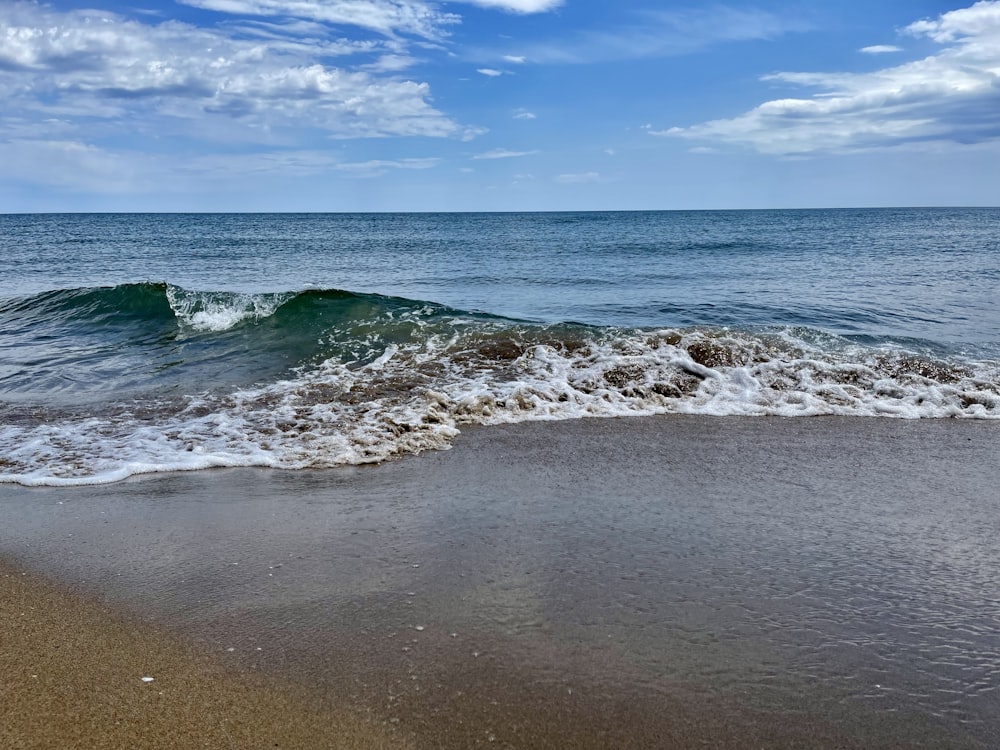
column 221, row 311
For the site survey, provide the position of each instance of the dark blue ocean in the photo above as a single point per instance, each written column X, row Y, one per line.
column 140, row 343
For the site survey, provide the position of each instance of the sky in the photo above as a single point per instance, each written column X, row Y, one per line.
column 497, row 105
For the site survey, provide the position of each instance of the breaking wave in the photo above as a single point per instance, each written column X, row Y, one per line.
column 321, row 378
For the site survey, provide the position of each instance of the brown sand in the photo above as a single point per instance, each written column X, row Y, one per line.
column 72, row 678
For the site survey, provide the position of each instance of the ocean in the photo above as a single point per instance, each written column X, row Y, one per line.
column 133, row 344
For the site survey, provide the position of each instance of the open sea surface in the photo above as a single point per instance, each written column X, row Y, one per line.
column 142, row 343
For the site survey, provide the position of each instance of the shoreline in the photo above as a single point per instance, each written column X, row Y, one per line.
column 644, row 582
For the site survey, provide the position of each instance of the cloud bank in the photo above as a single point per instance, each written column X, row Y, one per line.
column 952, row 96
column 92, row 66
column 388, row 17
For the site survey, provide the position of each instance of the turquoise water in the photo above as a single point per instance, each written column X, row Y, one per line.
column 136, row 343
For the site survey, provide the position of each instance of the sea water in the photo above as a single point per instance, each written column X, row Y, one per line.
column 143, row 343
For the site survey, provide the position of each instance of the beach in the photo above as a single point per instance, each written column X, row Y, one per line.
column 77, row 675
column 522, row 374
column 636, row 582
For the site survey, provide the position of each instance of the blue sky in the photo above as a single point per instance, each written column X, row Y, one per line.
column 412, row 105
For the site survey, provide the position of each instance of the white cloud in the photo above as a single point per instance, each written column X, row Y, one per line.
column 949, row 97
column 880, row 49
column 518, row 6
column 491, row 72
column 523, row 114
column 388, row 17
column 376, row 167
column 306, row 37
column 90, row 64
column 390, row 64
column 978, row 21
column 515, row 59
column 662, row 33
column 501, row 153
column 579, row 179
column 472, row 132
column 74, row 165
column 292, row 163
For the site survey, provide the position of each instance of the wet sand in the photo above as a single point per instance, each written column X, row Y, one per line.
column 73, row 677
column 655, row 582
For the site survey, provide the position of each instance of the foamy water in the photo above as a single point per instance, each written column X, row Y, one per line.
column 417, row 396
column 220, row 311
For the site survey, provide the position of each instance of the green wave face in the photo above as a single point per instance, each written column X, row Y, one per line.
column 136, row 339
column 77, row 343
column 118, row 306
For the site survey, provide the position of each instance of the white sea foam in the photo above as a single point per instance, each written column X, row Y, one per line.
column 220, row 311
column 416, row 397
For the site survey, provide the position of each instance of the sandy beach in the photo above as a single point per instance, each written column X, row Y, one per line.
column 650, row 582
column 76, row 675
